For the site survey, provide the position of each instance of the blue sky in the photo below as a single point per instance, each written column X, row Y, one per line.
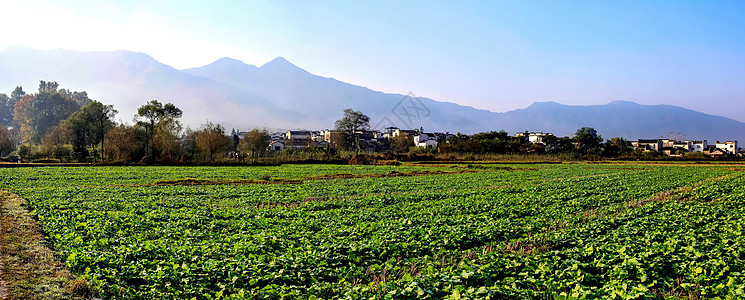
column 496, row 55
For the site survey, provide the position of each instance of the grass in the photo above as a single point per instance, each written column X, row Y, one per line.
column 31, row 269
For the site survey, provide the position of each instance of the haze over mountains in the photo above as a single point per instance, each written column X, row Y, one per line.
column 282, row 95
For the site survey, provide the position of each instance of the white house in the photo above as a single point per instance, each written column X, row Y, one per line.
column 276, row 146
column 317, row 136
column 398, row 132
column 425, row 140
column 647, row 145
column 298, row 135
column 697, row 146
column 730, row 147
column 533, row 137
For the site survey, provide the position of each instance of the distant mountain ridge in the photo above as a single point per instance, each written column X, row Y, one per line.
column 281, row 95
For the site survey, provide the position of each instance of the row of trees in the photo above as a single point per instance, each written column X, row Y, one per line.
column 586, row 141
column 61, row 123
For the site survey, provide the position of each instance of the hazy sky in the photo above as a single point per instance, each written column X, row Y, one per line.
column 496, row 55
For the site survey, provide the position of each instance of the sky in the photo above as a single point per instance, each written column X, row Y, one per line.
column 495, row 55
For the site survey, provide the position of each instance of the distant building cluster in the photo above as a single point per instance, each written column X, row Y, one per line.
column 672, row 147
column 370, row 140
column 669, row 147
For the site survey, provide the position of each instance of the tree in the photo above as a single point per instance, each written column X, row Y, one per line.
column 7, row 141
column 55, row 140
column 17, row 94
column 160, row 118
column 6, row 110
column 7, row 106
column 88, row 127
column 102, row 118
column 587, row 140
column 38, row 112
column 48, row 86
column 81, row 98
column 166, row 141
column 79, row 128
column 401, row 143
column 616, row 147
column 255, row 142
column 349, row 128
column 236, row 140
column 211, row 139
column 121, row 143
column 188, row 145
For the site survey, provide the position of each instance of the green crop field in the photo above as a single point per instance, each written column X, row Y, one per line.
column 564, row 231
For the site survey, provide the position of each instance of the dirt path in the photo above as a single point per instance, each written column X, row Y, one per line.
column 3, row 288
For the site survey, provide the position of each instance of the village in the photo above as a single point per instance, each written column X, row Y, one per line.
column 370, row 141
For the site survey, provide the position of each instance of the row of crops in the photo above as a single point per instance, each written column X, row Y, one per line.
column 546, row 232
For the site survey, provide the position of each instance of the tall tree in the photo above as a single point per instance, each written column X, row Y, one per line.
column 401, row 143
column 7, row 106
column 211, row 140
column 156, row 116
column 7, row 141
column 121, row 143
column 17, row 94
column 6, row 110
column 350, row 127
column 88, row 126
column 588, row 140
column 54, row 141
column 38, row 112
column 81, row 98
column 48, row 86
column 236, row 140
column 102, row 117
column 79, row 128
column 255, row 142
column 616, row 147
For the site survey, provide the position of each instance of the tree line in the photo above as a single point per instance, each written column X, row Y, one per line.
column 585, row 142
column 61, row 124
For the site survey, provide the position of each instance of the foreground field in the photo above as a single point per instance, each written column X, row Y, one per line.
column 456, row 232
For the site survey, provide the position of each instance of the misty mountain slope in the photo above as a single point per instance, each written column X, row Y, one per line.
column 323, row 99
column 280, row 94
column 626, row 119
column 128, row 80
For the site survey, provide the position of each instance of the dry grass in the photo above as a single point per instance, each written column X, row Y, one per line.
column 31, row 269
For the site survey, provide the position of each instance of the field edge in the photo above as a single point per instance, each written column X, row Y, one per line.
column 30, row 268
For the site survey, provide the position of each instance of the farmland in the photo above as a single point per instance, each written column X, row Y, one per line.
column 564, row 231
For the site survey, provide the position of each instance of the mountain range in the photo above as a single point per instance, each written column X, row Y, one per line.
column 279, row 94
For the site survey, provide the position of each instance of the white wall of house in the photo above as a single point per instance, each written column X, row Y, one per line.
column 427, row 144
column 729, row 146
column 535, row 137
column 425, row 140
column 276, row 146
column 698, row 146
column 297, row 134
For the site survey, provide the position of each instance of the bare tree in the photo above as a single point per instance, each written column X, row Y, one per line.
column 255, row 142
column 211, row 139
column 55, row 140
